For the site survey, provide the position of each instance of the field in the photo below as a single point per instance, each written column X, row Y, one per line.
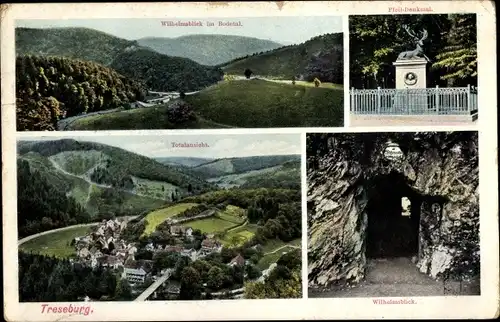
column 55, row 244
column 232, row 216
column 260, row 103
column 158, row 216
column 209, row 225
column 79, row 162
column 268, row 259
column 239, row 235
column 155, row 189
column 137, row 119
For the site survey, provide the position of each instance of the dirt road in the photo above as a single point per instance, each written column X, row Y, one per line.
column 398, row 277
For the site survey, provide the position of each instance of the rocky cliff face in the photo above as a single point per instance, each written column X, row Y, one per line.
column 441, row 168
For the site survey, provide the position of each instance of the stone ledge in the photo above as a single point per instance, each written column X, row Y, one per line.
column 383, row 120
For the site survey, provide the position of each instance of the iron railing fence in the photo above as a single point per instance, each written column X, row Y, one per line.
column 423, row 101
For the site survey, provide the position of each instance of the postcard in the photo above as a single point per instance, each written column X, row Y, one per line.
column 249, row 161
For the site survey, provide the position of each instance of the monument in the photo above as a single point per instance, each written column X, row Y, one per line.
column 411, row 95
column 411, row 73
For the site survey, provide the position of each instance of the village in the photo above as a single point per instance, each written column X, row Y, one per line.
column 105, row 247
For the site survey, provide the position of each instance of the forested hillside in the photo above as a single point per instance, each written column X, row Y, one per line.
column 49, row 88
column 44, row 278
column 320, row 57
column 376, row 41
column 159, row 72
column 41, row 206
column 78, row 43
column 208, row 49
column 165, row 73
column 120, row 165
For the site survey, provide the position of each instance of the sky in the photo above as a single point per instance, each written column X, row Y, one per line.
column 217, row 146
column 284, row 30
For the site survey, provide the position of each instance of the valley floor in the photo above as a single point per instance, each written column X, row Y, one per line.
column 396, row 278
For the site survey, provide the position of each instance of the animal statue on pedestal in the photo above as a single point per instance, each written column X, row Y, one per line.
column 418, row 52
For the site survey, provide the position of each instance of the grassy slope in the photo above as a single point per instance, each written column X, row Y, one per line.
column 259, row 103
column 138, row 119
column 250, row 104
column 55, row 244
column 271, row 256
column 208, row 49
column 158, row 216
column 99, row 200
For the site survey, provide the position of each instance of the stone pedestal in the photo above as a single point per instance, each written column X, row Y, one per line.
column 411, row 73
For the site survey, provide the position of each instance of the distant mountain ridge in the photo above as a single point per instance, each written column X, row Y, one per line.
column 183, row 161
column 208, row 49
column 225, row 166
column 158, row 71
column 122, row 164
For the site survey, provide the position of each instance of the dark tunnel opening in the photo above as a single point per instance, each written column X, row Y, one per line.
column 393, row 211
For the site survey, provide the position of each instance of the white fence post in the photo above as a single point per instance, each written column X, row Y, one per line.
column 379, row 102
column 353, row 105
column 437, row 99
column 469, row 98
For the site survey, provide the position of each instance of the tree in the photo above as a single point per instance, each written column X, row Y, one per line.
column 458, row 59
column 248, row 73
column 182, row 95
column 180, row 112
column 181, row 263
column 190, row 284
column 190, row 188
column 252, row 271
column 293, row 80
column 123, row 291
column 215, row 278
column 291, row 260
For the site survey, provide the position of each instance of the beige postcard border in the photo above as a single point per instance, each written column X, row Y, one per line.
column 482, row 306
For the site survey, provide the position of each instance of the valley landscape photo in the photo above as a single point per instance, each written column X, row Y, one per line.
column 123, row 74
column 144, row 218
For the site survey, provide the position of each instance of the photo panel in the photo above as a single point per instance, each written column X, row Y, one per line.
column 393, row 214
column 159, row 218
column 183, row 73
column 249, row 160
column 413, row 69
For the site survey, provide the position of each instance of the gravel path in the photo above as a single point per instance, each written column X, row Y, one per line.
column 395, row 278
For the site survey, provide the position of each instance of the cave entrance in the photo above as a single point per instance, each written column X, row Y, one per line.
column 393, row 211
